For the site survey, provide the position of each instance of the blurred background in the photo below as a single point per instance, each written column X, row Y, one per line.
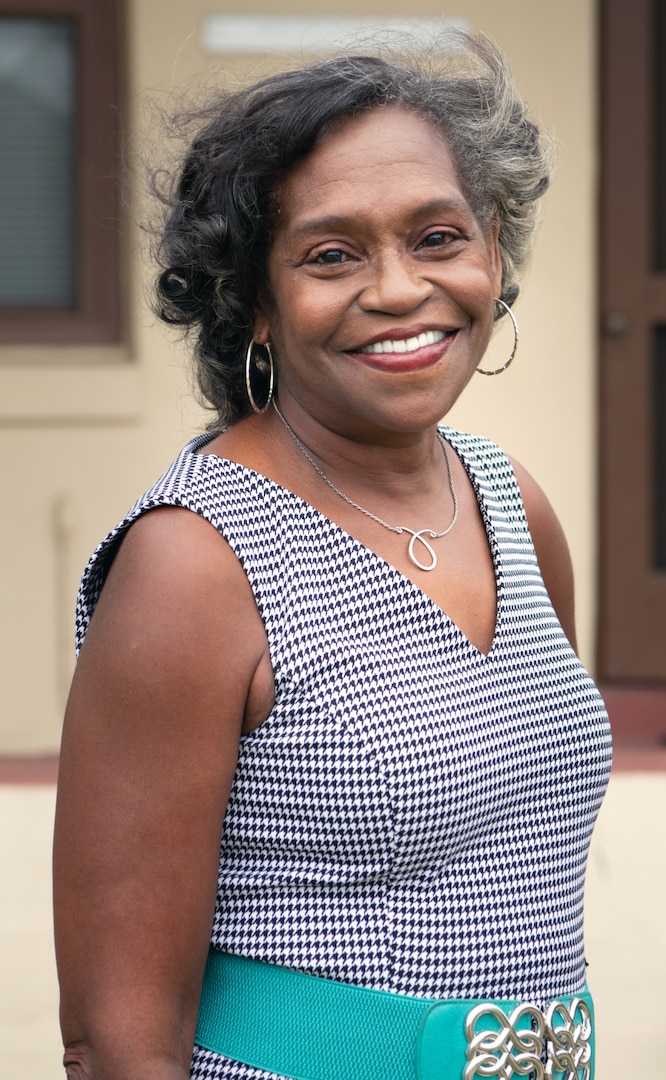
column 96, row 399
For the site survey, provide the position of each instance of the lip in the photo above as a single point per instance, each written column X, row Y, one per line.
column 402, row 333
column 417, row 360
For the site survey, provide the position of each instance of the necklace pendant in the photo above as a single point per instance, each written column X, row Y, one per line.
column 416, row 534
column 411, row 550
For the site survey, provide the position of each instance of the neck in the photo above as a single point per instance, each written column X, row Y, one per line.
column 420, row 551
column 393, row 461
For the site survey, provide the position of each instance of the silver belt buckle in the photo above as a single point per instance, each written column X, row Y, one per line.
column 555, row 1045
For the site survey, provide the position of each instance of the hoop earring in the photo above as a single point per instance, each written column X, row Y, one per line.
column 499, row 370
column 262, row 369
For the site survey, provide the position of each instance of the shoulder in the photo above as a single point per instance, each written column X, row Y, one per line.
column 551, row 548
column 206, row 490
column 174, row 550
column 548, row 537
column 175, row 574
column 176, row 607
column 483, row 458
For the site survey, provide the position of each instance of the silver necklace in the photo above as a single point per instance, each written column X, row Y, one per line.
column 417, row 535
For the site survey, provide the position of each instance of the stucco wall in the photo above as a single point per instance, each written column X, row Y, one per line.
column 84, row 431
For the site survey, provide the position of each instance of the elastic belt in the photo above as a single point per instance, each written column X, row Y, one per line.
column 306, row 1028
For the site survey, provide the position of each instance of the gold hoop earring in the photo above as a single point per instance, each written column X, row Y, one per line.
column 499, row 370
column 263, row 368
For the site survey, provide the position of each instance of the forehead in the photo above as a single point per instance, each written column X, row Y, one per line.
column 385, row 156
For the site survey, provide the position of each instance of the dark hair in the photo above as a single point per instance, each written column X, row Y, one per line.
column 216, row 235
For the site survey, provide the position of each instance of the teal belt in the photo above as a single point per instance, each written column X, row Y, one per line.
column 306, row 1028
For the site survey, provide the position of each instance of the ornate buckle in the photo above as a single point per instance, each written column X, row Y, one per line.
column 569, row 1045
column 551, row 1046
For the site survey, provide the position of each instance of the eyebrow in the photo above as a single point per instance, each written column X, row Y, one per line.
column 341, row 221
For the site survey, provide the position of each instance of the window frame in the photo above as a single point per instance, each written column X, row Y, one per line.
column 96, row 317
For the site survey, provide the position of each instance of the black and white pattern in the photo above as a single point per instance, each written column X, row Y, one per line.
column 414, row 815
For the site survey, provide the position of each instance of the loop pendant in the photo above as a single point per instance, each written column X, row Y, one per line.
column 421, row 537
column 416, row 534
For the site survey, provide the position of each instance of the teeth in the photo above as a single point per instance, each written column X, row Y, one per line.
column 404, row 345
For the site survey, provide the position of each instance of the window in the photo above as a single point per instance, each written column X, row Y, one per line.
column 59, row 183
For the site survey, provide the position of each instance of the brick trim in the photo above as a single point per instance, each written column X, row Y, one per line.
column 28, row 770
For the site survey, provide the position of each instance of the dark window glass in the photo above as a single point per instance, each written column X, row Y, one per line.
column 37, row 152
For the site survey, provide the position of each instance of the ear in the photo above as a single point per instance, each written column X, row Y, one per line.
column 261, row 327
column 492, row 244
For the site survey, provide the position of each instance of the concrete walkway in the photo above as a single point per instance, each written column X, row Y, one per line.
column 30, row 1047
column 626, row 932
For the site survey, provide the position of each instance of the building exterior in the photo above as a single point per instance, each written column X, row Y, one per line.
column 91, row 413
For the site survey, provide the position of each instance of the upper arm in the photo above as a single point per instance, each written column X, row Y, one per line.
column 551, row 548
column 149, row 750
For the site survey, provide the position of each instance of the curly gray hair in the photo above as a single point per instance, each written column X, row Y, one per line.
column 217, row 233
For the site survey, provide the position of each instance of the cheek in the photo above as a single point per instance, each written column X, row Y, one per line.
column 307, row 316
column 475, row 292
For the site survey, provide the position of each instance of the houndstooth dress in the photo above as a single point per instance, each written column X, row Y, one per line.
column 414, row 815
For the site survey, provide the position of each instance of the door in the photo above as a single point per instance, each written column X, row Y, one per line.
column 632, row 640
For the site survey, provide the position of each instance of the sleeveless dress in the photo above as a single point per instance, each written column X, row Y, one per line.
column 414, row 815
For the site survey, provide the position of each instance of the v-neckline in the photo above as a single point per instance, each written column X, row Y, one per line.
column 197, row 445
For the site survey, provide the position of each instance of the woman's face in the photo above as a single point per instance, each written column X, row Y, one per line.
column 382, row 279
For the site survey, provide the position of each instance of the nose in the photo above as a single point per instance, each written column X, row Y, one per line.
column 395, row 285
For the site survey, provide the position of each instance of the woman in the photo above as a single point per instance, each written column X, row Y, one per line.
column 364, row 669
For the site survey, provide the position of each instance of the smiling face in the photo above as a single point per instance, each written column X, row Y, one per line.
column 382, row 279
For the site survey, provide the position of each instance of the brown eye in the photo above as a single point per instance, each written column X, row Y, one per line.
column 330, row 257
column 438, row 238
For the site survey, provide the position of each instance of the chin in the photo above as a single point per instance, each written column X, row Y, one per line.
column 425, row 411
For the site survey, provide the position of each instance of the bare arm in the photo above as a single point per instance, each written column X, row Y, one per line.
column 149, row 751
column 552, row 550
